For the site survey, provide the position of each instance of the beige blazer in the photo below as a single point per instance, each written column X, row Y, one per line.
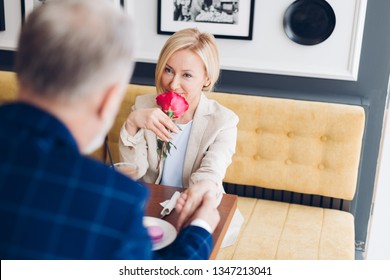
column 211, row 145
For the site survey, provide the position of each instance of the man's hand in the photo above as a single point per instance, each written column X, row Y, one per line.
column 205, row 209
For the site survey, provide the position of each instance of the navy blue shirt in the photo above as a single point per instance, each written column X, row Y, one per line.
column 58, row 204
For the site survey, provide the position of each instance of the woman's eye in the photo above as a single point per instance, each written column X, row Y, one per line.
column 186, row 75
column 168, row 70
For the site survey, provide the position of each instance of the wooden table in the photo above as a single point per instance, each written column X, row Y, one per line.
column 226, row 210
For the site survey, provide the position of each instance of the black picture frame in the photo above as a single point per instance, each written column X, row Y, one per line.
column 26, row 7
column 2, row 16
column 229, row 20
column 23, row 10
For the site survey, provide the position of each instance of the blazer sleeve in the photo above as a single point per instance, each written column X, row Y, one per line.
column 192, row 243
column 125, row 213
column 135, row 148
column 220, row 149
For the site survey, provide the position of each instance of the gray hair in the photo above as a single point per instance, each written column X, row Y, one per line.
column 70, row 48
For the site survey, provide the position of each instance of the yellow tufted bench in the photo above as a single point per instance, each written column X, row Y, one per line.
column 8, row 86
column 303, row 147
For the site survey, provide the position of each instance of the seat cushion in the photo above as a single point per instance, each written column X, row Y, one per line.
column 279, row 230
column 246, row 205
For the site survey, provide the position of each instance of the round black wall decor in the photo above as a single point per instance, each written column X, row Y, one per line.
column 309, row 22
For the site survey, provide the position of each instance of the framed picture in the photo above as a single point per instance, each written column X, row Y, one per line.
column 224, row 19
column 28, row 5
column 2, row 16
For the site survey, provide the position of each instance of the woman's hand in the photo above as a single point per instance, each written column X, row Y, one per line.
column 153, row 119
column 191, row 199
column 208, row 211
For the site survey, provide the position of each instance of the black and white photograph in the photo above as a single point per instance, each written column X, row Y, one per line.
column 224, row 18
column 212, row 11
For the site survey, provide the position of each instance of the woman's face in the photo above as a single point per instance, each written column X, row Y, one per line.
column 185, row 74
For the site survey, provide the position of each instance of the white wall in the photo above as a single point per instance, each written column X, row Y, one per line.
column 9, row 37
column 378, row 244
column 271, row 51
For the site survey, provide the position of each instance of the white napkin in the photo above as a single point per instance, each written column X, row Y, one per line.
column 233, row 229
column 169, row 204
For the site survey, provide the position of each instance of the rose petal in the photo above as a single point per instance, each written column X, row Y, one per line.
column 172, row 101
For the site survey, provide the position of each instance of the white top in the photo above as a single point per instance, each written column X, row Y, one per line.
column 173, row 166
column 172, row 174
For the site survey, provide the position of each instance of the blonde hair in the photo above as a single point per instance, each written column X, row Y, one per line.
column 201, row 43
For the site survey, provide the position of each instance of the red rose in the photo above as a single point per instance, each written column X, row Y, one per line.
column 172, row 104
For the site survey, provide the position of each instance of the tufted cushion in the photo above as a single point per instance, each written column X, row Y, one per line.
column 278, row 230
column 300, row 146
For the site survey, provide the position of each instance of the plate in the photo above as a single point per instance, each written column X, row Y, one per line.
column 168, row 229
column 309, row 22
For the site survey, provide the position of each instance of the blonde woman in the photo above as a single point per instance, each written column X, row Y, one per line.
column 205, row 143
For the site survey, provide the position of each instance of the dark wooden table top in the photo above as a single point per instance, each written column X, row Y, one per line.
column 226, row 210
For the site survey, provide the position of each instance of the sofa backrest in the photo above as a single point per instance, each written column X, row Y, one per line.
column 299, row 146
column 283, row 144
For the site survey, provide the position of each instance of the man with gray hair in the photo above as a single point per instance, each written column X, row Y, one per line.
column 73, row 64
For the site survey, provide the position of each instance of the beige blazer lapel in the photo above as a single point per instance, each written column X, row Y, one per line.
column 199, row 126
